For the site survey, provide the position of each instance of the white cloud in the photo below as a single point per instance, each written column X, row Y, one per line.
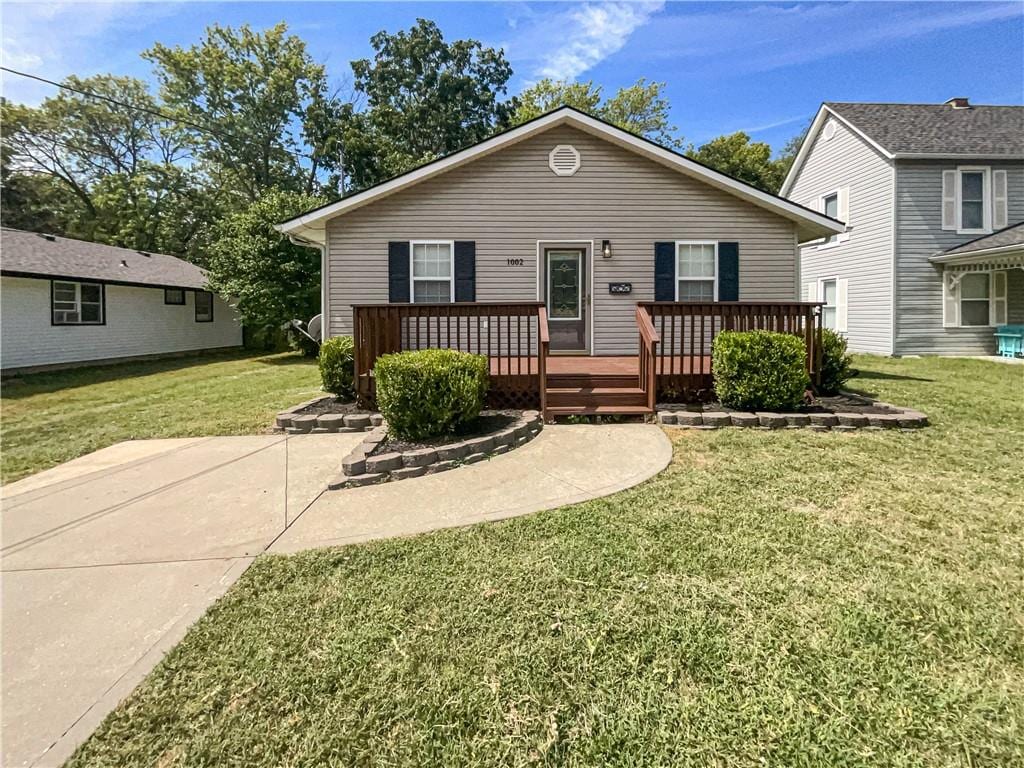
column 564, row 44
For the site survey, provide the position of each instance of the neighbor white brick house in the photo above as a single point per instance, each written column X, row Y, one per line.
column 66, row 302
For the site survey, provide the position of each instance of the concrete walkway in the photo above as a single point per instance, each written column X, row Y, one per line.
column 108, row 559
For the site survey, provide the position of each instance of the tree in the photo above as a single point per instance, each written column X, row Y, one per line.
column 789, row 151
column 89, row 167
column 255, row 103
column 739, row 157
column 271, row 279
column 640, row 108
column 424, row 98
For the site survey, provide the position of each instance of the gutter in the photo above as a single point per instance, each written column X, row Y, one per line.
column 322, row 247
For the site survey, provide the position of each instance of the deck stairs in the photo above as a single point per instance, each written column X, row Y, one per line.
column 606, row 394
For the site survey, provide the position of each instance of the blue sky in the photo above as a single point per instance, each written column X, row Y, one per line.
column 759, row 67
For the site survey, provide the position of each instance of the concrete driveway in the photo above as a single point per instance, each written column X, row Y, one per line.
column 109, row 558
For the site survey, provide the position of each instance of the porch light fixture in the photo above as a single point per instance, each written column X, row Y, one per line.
column 606, row 248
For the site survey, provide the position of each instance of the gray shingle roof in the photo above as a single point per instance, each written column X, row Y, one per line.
column 938, row 128
column 1012, row 235
column 34, row 254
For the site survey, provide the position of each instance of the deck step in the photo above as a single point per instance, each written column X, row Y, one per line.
column 599, row 410
column 595, row 396
column 563, row 380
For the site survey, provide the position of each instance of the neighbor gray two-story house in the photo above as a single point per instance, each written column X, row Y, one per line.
column 932, row 259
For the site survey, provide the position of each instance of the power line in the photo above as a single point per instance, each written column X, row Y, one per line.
column 147, row 110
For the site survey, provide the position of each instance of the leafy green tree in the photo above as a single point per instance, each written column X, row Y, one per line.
column 89, row 168
column 736, row 155
column 640, row 108
column 256, row 104
column 425, row 97
column 271, row 279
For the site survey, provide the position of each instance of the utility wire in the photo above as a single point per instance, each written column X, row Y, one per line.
column 136, row 107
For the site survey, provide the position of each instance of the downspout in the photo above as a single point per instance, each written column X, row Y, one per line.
column 322, row 247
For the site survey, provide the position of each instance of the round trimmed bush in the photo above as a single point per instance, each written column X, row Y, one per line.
column 759, row 370
column 430, row 392
column 337, row 366
column 835, row 363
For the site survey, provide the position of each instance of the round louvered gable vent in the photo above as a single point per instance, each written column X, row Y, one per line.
column 564, row 160
column 830, row 130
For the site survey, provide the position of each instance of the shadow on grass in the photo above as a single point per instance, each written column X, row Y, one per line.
column 32, row 384
column 862, row 374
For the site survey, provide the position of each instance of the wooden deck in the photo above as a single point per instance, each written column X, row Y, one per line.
column 598, row 366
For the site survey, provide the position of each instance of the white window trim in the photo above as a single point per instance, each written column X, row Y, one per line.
column 842, row 194
column 955, row 279
column 696, row 279
column 986, row 197
column 821, row 298
column 78, row 303
column 412, row 270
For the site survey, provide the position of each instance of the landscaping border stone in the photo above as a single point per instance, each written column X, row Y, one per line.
column 838, row 420
column 295, row 423
column 362, row 466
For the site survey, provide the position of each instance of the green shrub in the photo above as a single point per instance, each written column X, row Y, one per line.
column 759, row 370
column 835, row 363
column 337, row 366
column 430, row 392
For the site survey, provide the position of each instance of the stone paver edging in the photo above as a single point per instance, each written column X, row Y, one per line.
column 837, row 420
column 364, row 466
column 295, row 423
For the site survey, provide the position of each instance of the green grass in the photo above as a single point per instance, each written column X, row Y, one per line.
column 48, row 418
column 779, row 599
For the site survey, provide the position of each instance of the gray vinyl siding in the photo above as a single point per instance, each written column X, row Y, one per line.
column 509, row 200
column 919, row 235
column 865, row 259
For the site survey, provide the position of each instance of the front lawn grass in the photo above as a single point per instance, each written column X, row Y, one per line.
column 48, row 418
column 771, row 599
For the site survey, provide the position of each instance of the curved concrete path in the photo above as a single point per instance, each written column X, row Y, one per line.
column 108, row 559
column 563, row 465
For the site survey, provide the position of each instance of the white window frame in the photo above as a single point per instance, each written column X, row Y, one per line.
column 831, row 241
column 77, row 302
column 952, row 281
column 412, row 269
column 675, row 268
column 986, row 199
column 825, row 305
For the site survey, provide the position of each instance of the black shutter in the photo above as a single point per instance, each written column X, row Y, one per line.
column 465, row 270
column 665, row 271
column 398, row 272
column 728, row 271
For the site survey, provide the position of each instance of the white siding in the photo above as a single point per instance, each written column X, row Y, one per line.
column 508, row 201
column 919, row 235
column 137, row 323
column 865, row 257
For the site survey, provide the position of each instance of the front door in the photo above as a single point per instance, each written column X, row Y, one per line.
column 566, row 282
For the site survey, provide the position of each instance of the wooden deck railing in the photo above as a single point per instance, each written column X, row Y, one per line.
column 688, row 329
column 648, row 356
column 513, row 336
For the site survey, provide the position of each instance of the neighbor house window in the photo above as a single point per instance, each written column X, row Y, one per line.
column 830, row 207
column 696, row 273
column 973, row 189
column 974, row 299
column 76, row 303
column 204, row 307
column 432, row 272
column 829, row 295
column 174, row 296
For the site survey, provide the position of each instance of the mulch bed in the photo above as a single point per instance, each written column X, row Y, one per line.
column 331, row 405
column 487, row 423
column 844, row 403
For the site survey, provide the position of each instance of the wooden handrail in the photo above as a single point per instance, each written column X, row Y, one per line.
column 648, row 354
column 542, row 359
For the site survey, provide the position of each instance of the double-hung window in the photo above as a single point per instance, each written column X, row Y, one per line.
column 830, row 295
column 174, row 296
column 974, row 299
column 432, row 272
column 967, row 199
column 204, row 307
column 830, row 207
column 74, row 303
column 696, row 271
column 972, row 200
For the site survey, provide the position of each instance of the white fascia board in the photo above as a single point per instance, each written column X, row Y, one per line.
column 816, row 224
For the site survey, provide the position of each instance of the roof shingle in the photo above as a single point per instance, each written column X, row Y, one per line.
column 1004, row 238
column 48, row 255
column 993, row 131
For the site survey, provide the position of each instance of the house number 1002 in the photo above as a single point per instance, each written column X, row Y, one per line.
column 515, row 262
